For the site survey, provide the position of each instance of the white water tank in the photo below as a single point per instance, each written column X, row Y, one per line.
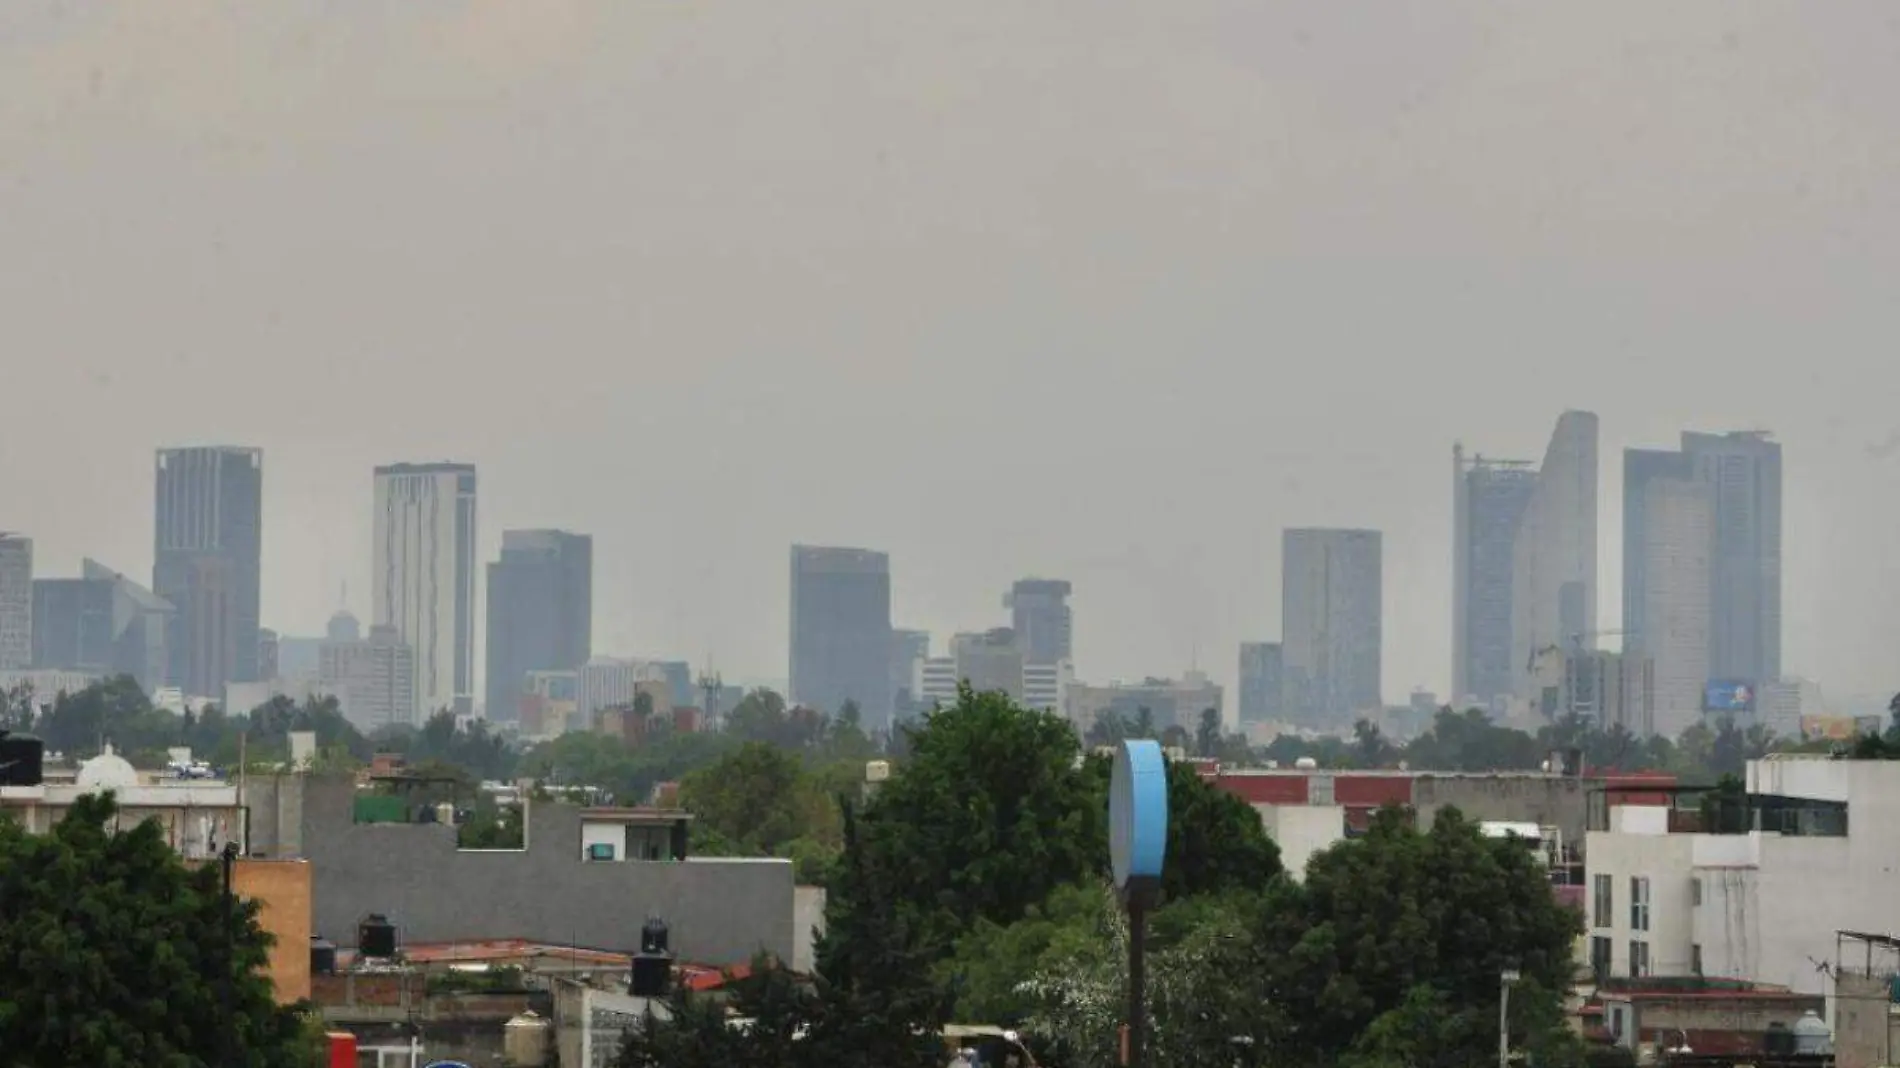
column 1812, row 1035
column 1306, row 764
column 524, row 1040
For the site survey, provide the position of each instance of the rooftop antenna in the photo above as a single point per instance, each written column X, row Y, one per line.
column 711, row 684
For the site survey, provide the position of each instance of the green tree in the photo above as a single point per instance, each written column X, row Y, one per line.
column 1369, row 747
column 760, row 799
column 1377, row 919
column 987, row 815
column 1201, row 1004
column 1207, row 737
column 112, row 951
column 1109, row 728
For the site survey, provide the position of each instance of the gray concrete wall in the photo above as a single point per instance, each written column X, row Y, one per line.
column 1864, row 1026
column 1560, row 801
column 720, row 911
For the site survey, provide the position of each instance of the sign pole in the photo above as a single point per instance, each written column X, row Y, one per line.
column 1137, row 980
column 1138, row 840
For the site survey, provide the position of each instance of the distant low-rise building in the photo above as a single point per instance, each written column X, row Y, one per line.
column 1608, row 689
column 374, row 679
column 198, row 816
column 1170, row 702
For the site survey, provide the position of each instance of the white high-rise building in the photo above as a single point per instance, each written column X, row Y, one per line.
column 374, row 680
column 16, row 602
column 1524, row 563
column 1554, row 553
column 423, row 584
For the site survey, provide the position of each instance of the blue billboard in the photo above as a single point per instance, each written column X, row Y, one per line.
column 1727, row 695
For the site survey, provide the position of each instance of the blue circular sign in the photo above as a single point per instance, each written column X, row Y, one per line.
column 1138, row 813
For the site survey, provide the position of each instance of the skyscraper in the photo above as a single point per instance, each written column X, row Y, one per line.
column 1554, row 556
column 1039, row 614
column 208, row 563
column 100, row 622
column 423, row 583
column 540, row 611
column 16, row 602
column 841, row 631
column 1330, row 622
column 1523, row 560
column 1743, row 473
column 1488, row 501
column 1259, row 682
column 1702, row 565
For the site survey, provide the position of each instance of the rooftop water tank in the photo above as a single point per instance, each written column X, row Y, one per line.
column 376, row 936
column 22, row 760
column 1812, row 1034
column 1306, row 764
column 525, row 1040
column 322, row 956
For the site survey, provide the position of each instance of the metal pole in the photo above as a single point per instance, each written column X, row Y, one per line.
column 1504, row 1020
column 228, row 1031
column 1137, row 977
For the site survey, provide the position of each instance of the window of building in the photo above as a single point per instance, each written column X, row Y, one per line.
column 1695, row 891
column 1639, row 903
column 1602, row 909
column 1600, row 956
column 1695, row 960
column 1639, row 959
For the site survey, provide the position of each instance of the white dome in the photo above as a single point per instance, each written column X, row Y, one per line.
column 107, row 771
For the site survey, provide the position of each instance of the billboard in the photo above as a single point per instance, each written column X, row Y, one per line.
column 1728, row 696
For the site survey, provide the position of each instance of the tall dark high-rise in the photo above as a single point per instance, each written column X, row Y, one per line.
column 1260, row 683
column 1331, row 614
column 1039, row 614
column 208, row 563
column 540, row 611
column 1488, row 501
column 841, row 631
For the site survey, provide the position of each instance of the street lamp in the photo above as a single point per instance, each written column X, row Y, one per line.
column 1506, row 979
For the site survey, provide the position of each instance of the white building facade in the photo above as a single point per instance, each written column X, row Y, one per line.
column 424, row 578
column 1819, row 856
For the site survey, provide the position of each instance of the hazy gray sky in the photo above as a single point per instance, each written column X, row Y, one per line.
column 1099, row 289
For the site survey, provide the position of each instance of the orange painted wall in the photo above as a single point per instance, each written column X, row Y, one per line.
column 282, row 887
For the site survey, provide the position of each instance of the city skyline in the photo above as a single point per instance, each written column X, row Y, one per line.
column 1339, row 249
column 1710, row 457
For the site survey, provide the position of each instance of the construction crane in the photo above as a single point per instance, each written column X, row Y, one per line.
column 1577, row 639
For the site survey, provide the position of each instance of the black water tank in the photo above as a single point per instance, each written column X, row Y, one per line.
column 653, row 936
column 376, row 936
column 1778, row 1040
column 652, row 973
column 22, row 760
column 322, row 956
